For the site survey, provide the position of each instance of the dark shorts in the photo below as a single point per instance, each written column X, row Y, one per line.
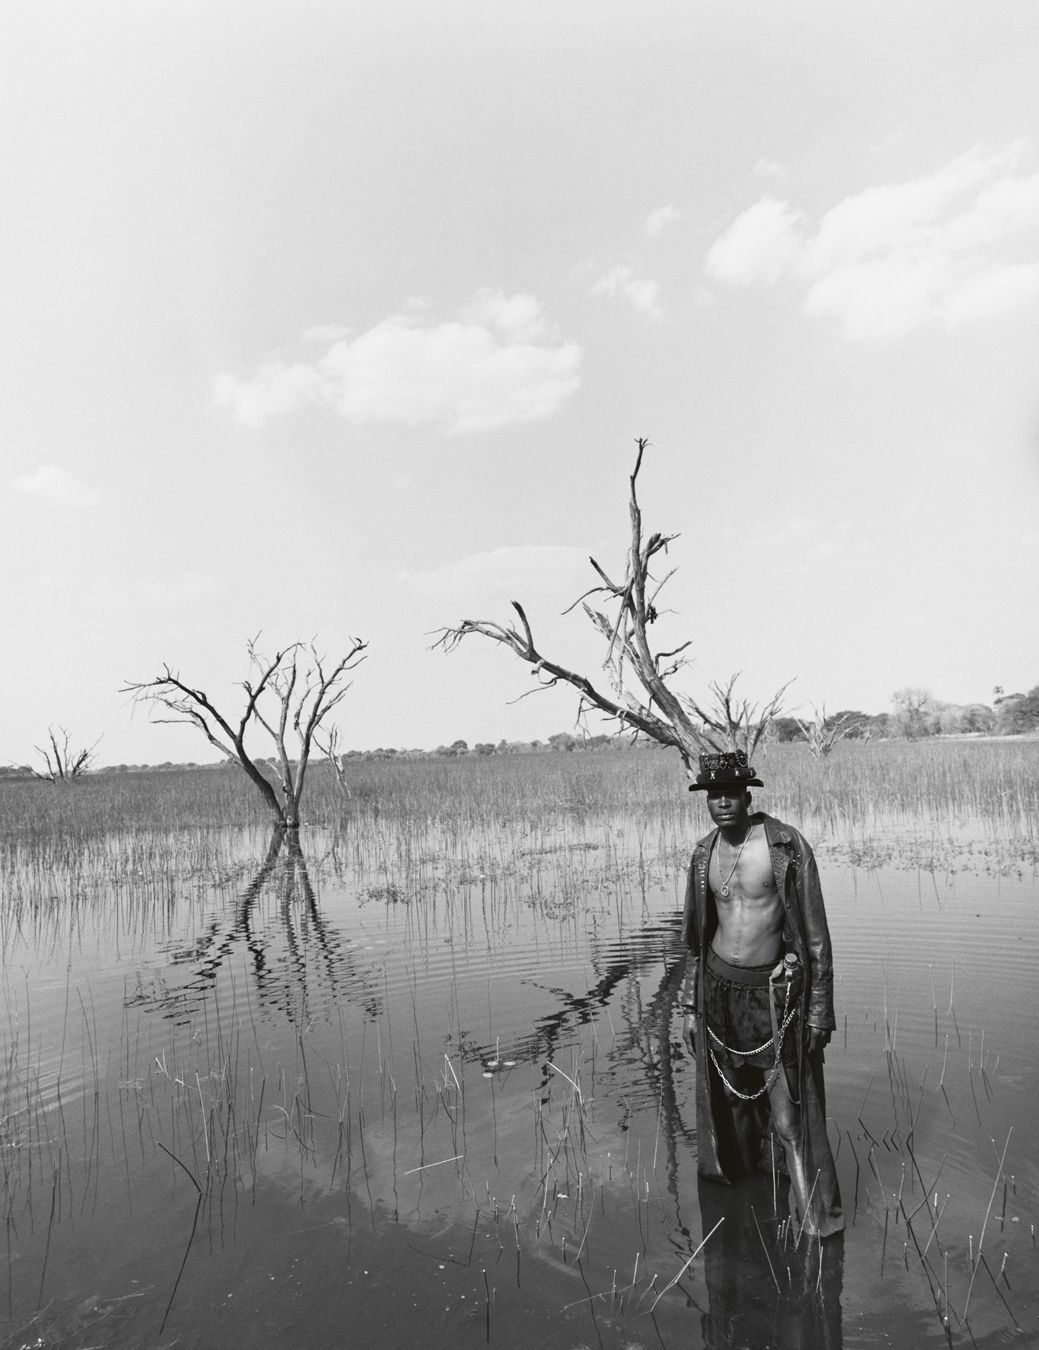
column 736, row 1000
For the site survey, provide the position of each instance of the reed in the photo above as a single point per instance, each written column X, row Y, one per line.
column 192, row 1061
column 992, row 780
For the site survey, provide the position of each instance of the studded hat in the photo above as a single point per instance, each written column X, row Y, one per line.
column 725, row 769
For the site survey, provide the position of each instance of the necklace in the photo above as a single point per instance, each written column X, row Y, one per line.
column 732, row 871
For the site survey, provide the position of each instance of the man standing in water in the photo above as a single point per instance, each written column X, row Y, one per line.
column 759, row 995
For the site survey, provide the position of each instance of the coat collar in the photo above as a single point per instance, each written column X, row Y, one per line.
column 775, row 832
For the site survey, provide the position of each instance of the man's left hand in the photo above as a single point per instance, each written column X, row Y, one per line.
column 818, row 1039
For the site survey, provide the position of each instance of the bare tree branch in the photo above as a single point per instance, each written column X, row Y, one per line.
column 640, row 696
column 62, row 763
column 291, row 689
column 742, row 723
column 331, row 751
column 822, row 733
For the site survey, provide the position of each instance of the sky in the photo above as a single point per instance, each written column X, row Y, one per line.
column 323, row 321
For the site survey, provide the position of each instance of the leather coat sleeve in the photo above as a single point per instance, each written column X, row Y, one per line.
column 691, row 936
column 817, row 939
column 689, row 933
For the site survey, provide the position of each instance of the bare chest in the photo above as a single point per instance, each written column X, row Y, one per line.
column 744, row 872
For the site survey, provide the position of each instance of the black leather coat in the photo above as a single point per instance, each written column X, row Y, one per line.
column 805, row 932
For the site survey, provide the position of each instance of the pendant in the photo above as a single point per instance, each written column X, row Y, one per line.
column 725, row 890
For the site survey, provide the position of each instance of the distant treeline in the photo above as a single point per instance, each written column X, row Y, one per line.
column 915, row 714
column 562, row 740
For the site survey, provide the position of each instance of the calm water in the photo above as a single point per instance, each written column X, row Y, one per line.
column 407, row 1088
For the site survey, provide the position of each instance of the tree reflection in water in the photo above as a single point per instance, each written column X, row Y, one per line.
column 315, row 967
column 765, row 1287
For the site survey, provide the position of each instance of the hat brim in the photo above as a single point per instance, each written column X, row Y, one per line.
column 742, row 782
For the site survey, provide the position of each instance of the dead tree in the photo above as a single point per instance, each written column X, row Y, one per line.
column 291, row 692
column 745, row 724
column 63, row 764
column 823, row 733
column 336, row 759
column 641, row 697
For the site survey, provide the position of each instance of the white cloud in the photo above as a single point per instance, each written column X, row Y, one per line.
column 55, row 485
column 996, row 292
column 897, row 257
column 641, row 294
column 763, row 244
column 325, row 332
column 157, row 592
column 767, row 168
column 517, row 316
column 460, row 375
column 274, row 389
column 657, row 221
column 523, row 568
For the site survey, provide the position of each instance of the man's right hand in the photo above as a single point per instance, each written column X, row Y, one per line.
column 689, row 1032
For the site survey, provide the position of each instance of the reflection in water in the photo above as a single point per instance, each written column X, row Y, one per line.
column 622, row 960
column 764, row 1288
column 315, row 960
column 309, row 1071
column 767, row 1285
column 761, row 1290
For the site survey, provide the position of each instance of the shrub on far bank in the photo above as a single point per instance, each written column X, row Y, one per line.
column 1017, row 713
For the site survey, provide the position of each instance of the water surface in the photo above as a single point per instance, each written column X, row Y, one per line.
column 404, row 1086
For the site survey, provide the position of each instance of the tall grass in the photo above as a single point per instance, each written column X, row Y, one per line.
column 996, row 781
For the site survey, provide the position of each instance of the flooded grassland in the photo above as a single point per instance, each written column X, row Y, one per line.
column 417, row 1075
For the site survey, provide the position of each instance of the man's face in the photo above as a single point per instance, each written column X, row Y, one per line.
column 728, row 806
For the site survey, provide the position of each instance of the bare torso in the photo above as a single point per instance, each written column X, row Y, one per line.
column 750, row 916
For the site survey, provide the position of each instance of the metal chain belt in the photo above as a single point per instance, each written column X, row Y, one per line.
column 773, row 1072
